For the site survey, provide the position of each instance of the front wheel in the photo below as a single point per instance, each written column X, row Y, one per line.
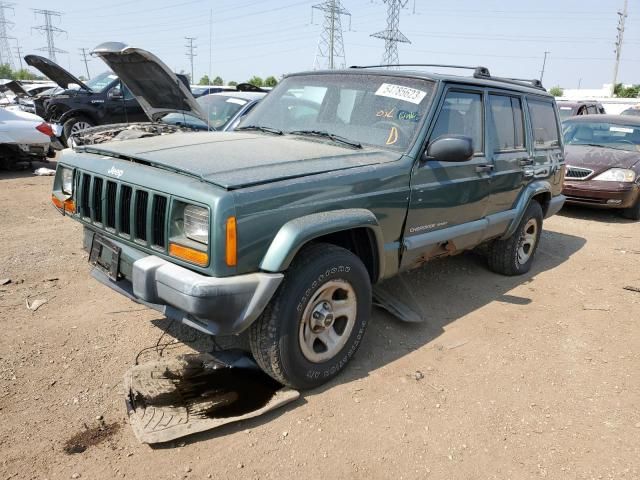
column 315, row 323
column 633, row 212
column 514, row 255
column 75, row 125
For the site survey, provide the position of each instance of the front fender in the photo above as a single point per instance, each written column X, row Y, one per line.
column 74, row 112
column 534, row 188
column 298, row 232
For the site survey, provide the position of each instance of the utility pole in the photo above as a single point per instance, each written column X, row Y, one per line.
column 84, row 55
column 330, row 45
column 544, row 64
column 19, row 54
column 190, row 54
column 618, row 51
column 392, row 35
column 6, row 58
column 49, row 31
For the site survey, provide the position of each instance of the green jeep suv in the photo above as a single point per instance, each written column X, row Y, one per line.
column 337, row 180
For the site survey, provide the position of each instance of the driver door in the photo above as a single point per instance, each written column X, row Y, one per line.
column 449, row 200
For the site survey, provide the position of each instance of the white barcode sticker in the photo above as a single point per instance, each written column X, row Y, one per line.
column 400, row 92
column 621, row 129
column 237, row 101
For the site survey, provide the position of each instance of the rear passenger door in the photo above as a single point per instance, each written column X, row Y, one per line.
column 546, row 146
column 449, row 199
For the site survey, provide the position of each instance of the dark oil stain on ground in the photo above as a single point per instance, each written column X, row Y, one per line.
column 214, row 391
column 89, row 438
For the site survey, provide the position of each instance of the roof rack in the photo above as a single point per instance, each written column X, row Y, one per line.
column 478, row 72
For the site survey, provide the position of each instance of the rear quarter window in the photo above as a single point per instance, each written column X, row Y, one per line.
column 544, row 124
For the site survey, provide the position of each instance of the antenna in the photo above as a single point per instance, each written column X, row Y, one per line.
column 84, row 55
column 618, row 51
column 392, row 35
column 5, row 49
column 190, row 46
column 330, row 45
column 50, row 31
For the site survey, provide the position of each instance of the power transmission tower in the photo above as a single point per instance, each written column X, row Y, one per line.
column 618, row 50
column 5, row 49
column 190, row 46
column 544, row 64
column 19, row 54
column 84, row 55
column 50, row 31
column 392, row 35
column 330, row 45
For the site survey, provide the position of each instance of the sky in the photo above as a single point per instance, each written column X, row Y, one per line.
column 271, row 37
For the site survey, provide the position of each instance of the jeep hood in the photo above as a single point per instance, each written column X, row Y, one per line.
column 157, row 89
column 234, row 160
column 54, row 72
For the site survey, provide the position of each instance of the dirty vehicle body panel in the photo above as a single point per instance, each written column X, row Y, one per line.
column 377, row 192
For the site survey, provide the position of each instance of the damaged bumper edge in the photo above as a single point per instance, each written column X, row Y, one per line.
column 216, row 306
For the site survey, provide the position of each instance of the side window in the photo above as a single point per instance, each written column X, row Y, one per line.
column 507, row 123
column 461, row 114
column 591, row 109
column 543, row 122
column 126, row 92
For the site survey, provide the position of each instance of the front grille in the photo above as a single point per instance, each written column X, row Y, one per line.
column 123, row 209
column 577, row 173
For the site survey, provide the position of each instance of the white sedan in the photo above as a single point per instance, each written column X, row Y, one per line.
column 24, row 137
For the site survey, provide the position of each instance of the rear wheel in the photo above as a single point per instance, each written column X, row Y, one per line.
column 316, row 321
column 514, row 255
column 632, row 213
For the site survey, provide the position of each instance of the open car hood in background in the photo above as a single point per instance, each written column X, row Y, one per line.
column 16, row 88
column 54, row 72
column 158, row 90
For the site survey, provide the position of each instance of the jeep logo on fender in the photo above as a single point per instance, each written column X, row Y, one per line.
column 115, row 172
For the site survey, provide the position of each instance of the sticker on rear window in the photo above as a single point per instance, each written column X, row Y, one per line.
column 566, row 108
column 621, row 129
column 237, row 101
column 400, row 92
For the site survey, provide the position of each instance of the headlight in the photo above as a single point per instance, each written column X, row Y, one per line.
column 67, row 181
column 617, row 175
column 196, row 224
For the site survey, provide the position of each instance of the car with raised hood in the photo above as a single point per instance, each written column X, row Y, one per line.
column 603, row 162
column 167, row 102
column 334, row 182
column 22, row 94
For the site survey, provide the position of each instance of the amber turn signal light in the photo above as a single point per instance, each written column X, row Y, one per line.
column 68, row 205
column 232, row 242
column 189, row 254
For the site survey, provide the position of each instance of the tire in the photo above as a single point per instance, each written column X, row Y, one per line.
column 322, row 278
column 71, row 126
column 633, row 212
column 514, row 255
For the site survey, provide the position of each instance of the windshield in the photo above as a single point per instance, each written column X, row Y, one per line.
column 634, row 112
column 102, row 81
column 378, row 110
column 219, row 108
column 603, row 134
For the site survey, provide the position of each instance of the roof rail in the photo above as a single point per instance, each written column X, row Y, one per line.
column 478, row 72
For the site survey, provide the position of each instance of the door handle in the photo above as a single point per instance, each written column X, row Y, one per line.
column 484, row 168
column 525, row 161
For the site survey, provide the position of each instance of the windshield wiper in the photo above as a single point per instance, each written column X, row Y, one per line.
column 330, row 136
column 260, row 128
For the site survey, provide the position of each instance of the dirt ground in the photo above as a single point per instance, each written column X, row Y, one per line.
column 511, row 378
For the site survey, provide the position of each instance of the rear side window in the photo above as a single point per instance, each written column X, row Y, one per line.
column 461, row 114
column 507, row 123
column 543, row 122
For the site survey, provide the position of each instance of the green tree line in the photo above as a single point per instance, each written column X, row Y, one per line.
column 270, row 81
column 22, row 74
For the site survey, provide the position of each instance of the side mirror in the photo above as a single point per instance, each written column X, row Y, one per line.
column 115, row 94
column 451, row 148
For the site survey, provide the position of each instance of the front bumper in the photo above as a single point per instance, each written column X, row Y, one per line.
column 217, row 306
column 601, row 194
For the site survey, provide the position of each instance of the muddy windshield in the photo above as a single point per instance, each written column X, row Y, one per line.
column 603, row 134
column 376, row 110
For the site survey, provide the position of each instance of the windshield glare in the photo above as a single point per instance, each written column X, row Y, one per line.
column 611, row 135
column 219, row 108
column 100, row 82
column 378, row 110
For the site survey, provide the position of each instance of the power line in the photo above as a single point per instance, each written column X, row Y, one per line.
column 5, row 49
column 330, row 45
column 50, row 31
column 392, row 35
column 190, row 54
column 618, row 51
column 19, row 53
column 84, row 55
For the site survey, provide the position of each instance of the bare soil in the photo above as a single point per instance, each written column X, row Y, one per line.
column 511, row 378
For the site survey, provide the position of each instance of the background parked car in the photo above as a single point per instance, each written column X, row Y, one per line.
column 632, row 111
column 200, row 90
column 24, row 137
column 603, row 162
column 571, row 109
